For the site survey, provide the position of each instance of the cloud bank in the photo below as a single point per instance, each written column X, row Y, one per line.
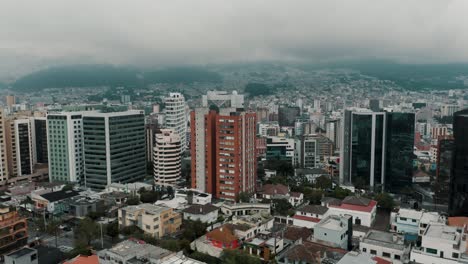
column 37, row 34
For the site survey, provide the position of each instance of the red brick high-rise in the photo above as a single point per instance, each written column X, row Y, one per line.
column 223, row 152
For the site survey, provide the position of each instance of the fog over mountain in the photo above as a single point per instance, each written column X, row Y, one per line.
column 39, row 34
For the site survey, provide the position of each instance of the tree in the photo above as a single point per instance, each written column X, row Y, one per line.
column 323, row 182
column 193, row 229
column 282, row 206
column 205, row 258
column 340, row 193
column 67, row 187
column 314, row 196
column 385, row 201
column 112, row 229
column 94, row 215
column 87, row 231
column 232, row 256
column 244, row 197
column 360, row 183
column 149, row 196
column 53, row 228
column 170, row 191
column 133, row 200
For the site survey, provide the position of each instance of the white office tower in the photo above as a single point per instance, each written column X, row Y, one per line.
column 223, row 100
column 65, row 146
column 175, row 117
column 167, row 158
column 3, row 163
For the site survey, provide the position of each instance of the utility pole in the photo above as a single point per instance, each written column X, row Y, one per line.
column 102, row 239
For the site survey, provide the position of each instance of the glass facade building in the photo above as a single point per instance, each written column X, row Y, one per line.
column 114, row 148
column 40, row 131
column 399, row 151
column 458, row 202
column 377, row 149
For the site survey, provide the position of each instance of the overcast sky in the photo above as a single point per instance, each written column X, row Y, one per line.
column 39, row 33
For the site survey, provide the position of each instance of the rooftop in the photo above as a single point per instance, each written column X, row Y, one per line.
column 129, row 248
column 294, row 233
column 148, row 208
column 439, row 231
column 333, row 222
column 201, row 209
column 384, row 239
column 313, row 209
column 410, row 213
column 353, row 257
column 60, row 195
column 22, row 252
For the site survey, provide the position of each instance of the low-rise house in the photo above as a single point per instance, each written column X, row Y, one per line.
column 309, row 215
column 24, row 255
column 413, row 222
column 154, row 220
column 82, row 259
column 309, row 252
column 335, row 231
column 280, row 191
column 193, row 196
column 206, row 213
column 81, row 206
column 51, row 201
column 388, row 246
column 264, row 246
column 461, row 222
column 354, row 257
column 215, row 241
column 138, row 252
column 294, row 233
column 130, row 188
column 362, row 210
column 441, row 244
column 245, row 208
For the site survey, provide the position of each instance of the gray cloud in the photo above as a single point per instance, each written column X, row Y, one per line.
column 36, row 34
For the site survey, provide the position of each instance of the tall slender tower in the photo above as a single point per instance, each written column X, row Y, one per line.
column 167, row 163
column 3, row 161
column 223, row 152
column 458, row 201
column 176, row 117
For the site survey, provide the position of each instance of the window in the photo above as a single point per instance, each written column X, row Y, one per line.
column 431, row 250
column 403, row 218
column 385, row 254
column 364, row 249
column 373, row 252
column 413, row 220
column 325, row 234
column 454, row 255
column 397, row 257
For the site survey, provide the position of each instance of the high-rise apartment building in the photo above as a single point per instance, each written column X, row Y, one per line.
column 65, row 146
column 307, row 150
column 24, row 146
column 445, row 146
column 399, row 151
column 176, row 117
column 10, row 100
column 223, row 152
column 222, row 99
column 287, row 115
column 458, row 201
column 114, row 148
column 13, row 230
column 167, row 162
column 332, row 131
column 448, row 110
column 40, row 139
column 377, row 149
column 3, row 150
column 363, row 151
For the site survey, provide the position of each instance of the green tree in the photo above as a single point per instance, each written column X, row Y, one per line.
column 205, row 258
column 53, row 228
column 244, row 197
column 360, row 183
column 133, row 200
column 323, row 182
column 68, row 187
column 94, row 215
column 314, row 196
column 149, row 196
column 282, row 206
column 112, row 229
column 340, row 193
column 232, row 256
column 385, row 201
column 193, row 229
column 87, row 231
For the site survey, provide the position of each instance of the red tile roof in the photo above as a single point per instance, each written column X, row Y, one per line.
column 353, row 207
column 306, row 218
column 272, row 189
column 222, row 234
column 381, row 260
column 93, row 259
